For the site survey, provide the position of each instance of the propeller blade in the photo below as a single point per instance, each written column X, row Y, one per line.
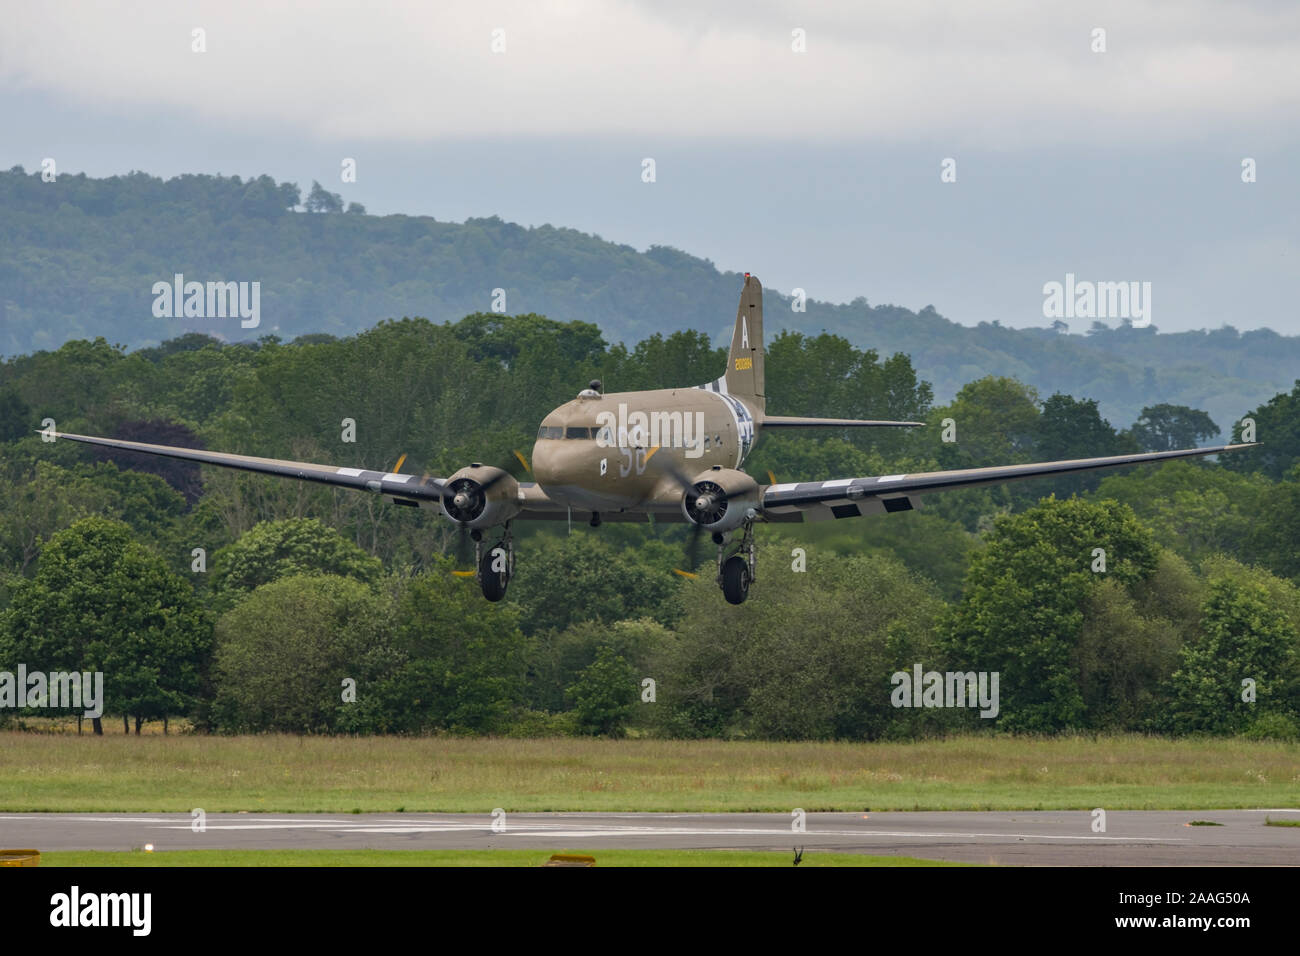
column 693, row 547
column 462, row 545
column 523, row 461
column 398, row 467
column 692, row 553
column 490, row 482
column 683, row 480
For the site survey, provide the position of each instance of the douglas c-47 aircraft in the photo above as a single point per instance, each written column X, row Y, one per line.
column 673, row 453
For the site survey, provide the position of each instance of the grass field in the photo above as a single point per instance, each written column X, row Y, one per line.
column 466, row 858
column 40, row 772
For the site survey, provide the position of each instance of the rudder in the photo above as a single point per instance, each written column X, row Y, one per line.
column 744, row 375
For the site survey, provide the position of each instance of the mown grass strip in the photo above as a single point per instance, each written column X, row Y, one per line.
column 284, row 774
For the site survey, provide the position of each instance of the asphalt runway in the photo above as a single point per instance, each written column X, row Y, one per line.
column 1131, row 837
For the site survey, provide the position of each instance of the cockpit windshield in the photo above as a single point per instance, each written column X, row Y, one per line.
column 559, row 431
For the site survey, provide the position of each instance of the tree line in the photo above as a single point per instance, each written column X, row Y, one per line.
column 246, row 603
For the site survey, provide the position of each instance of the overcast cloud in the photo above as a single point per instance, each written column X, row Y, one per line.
column 1008, row 74
column 818, row 169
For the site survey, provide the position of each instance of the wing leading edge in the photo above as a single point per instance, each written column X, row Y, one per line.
column 410, row 487
column 852, row 497
column 794, row 421
column 401, row 489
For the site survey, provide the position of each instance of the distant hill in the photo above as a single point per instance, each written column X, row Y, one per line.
column 80, row 257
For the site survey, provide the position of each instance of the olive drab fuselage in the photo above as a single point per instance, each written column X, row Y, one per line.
column 606, row 452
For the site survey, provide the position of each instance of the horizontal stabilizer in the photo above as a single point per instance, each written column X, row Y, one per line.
column 792, row 421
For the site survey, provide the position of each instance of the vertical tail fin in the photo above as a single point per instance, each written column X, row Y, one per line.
column 744, row 375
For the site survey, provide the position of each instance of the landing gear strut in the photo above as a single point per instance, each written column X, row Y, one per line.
column 495, row 565
column 737, row 572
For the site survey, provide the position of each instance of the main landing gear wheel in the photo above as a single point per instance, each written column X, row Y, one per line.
column 735, row 579
column 495, row 566
column 737, row 572
column 493, row 582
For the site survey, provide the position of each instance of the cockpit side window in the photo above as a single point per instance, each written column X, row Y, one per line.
column 550, row 431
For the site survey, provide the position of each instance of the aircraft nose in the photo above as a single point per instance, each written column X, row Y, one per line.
column 562, row 463
column 546, row 462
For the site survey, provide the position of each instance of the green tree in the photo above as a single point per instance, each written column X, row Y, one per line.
column 1166, row 427
column 557, row 658
column 463, row 666
column 826, row 376
column 604, row 695
column 322, row 200
column 1026, row 597
column 284, row 653
column 1068, row 428
column 996, row 422
column 581, row 577
column 278, row 549
column 1243, row 666
column 1073, row 428
column 37, row 501
column 1197, row 510
column 99, row 601
column 1277, row 429
column 809, row 656
column 15, row 416
column 1274, row 527
column 1122, row 656
column 793, row 457
column 927, row 543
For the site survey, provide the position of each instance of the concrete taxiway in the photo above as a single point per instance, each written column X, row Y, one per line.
column 1130, row 837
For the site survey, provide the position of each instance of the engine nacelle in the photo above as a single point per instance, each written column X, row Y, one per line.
column 720, row 499
column 481, row 496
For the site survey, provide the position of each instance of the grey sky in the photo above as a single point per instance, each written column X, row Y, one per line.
column 817, row 169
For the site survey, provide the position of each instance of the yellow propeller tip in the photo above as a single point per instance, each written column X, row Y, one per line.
column 685, row 574
column 463, row 574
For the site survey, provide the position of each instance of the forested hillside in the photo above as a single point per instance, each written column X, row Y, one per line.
column 247, row 603
column 79, row 258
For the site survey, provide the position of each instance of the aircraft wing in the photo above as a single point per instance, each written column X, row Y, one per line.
column 411, row 489
column 851, row 497
column 401, row 489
